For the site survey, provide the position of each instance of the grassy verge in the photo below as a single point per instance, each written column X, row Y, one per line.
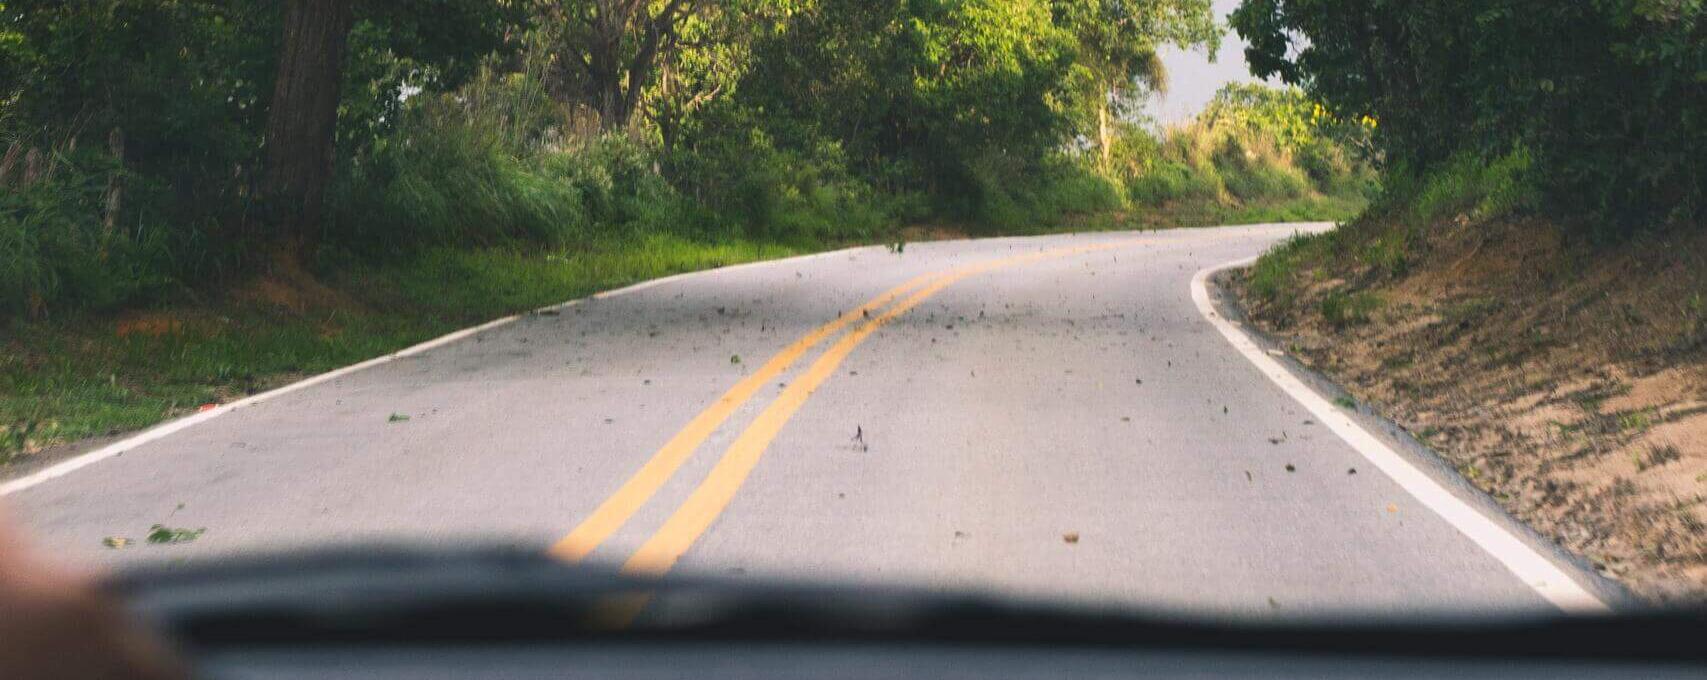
column 1560, row 374
column 102, row 374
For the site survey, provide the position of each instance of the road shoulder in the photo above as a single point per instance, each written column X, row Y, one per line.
column 1591, row 590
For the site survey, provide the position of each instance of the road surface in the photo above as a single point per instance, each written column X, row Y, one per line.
column 1050, row 417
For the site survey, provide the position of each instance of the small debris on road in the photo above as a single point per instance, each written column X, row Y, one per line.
column 1392, row 508
column 397, row 418
column 859, row 438
column 116, row 542
column 1290, row 468
column 1351, row 471
column 1071, row 537
column 1249, row 477
column 734, row 358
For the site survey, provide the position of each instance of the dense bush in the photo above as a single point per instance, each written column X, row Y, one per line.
column 56, row 245
column 1607, row 97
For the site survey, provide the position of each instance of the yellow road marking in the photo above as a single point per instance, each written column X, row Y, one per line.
column 658, row 554
column 713, row 495
column 634, row 493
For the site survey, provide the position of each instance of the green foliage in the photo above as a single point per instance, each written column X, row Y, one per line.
column 1272, row 277
column 1466, row 185
column 464, row 123
column 56, row 248
column 158, row 107
column 1004, row 197
column 1115, row 61
column 1605, row 97
column 783, row 193
column 1252, row 144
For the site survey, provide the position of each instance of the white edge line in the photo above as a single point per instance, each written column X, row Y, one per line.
column 81, row 461
column 1536, row 571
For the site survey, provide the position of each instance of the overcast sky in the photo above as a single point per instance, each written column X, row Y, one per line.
column 1192, row 80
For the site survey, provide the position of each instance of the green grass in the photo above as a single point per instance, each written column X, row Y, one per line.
column 1345, row 309
column 1274, row 277
column 68, row 380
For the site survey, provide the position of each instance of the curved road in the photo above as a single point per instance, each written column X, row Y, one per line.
column 1048, row 416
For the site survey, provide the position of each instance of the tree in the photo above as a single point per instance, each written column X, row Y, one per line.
column 435, row 41
column 303, row 117
column 614, row 48
column 1603, row 96
column 1117, row 60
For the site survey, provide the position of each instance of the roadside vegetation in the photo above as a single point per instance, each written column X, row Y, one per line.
column 1524, row 293
column 183, row 221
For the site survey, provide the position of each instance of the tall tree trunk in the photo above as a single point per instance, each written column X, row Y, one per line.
column 605, row 66
column 303, row 119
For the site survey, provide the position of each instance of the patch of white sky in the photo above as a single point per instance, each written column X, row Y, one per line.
column 1193, row 78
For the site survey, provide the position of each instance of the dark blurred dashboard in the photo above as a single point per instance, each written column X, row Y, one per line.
column 517, row 614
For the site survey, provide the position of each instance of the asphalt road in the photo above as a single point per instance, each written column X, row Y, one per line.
column 1045, row 417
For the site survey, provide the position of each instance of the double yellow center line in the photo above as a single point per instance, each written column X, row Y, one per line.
column 690, row 521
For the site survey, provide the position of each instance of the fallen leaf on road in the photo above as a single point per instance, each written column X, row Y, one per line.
column 1392, row 508
column 397, row 418
column 734, row 358
column 116, row 542
column 1071, row 537
column 162, row 534
column 1249, row 477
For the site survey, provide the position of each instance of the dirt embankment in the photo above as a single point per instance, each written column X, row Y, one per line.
column 1567, row 381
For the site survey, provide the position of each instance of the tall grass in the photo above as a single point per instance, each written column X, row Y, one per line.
column 1210, row 161
column 58, row 246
